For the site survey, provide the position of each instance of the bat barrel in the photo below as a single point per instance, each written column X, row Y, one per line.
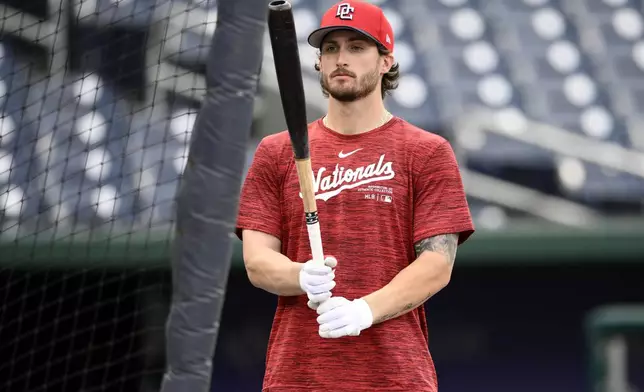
column 279, row 5
column 286, row 57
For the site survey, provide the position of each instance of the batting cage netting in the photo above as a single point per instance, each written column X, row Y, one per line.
column 101, row 102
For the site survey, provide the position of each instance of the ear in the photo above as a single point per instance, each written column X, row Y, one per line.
column 318, row 62
column 387, row 63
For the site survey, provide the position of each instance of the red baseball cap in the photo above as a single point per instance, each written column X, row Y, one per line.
column 359, row 16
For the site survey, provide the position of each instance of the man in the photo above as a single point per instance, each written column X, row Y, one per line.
column 392, row 212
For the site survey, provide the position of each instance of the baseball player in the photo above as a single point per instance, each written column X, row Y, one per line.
column 392, row 212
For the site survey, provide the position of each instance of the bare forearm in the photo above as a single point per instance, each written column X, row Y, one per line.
column 272, row 271
column 414, row 285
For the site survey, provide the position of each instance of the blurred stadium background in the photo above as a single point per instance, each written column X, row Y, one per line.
column 542, row 100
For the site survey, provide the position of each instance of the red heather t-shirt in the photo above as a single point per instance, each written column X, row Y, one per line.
column 377, row 194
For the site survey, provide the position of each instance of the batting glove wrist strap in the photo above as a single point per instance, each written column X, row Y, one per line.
column 365, row 316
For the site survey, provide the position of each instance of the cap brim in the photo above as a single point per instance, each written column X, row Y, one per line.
column 317, row 36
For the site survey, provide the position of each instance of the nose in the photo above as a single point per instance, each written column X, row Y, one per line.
column 341, row 60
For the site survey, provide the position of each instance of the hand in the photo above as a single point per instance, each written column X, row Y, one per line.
column 317, row 281
column 340, row 317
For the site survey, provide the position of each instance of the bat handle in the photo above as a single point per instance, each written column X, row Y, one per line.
column 315, row 239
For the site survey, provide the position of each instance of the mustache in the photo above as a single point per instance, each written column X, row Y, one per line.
column 342, row 72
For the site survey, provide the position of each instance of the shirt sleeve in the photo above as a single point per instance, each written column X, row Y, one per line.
column 440, row 205
column 259, row 201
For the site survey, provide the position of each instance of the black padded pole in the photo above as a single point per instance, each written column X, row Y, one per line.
column 207, row 202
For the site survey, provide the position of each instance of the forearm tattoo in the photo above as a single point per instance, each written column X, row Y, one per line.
column 410, row 306
column 445, row 244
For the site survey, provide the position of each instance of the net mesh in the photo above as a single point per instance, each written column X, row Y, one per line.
column 98, row 101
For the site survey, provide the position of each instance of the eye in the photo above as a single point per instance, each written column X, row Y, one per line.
column 357, row 48
column 329, row 49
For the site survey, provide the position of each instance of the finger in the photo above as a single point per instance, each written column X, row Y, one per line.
column 331, row 325
column 319, row 298
column 336, row 333
column 332, row 303
column 316, row 280
column 331, row 315
column 313, row 304
column 330, row 261
column 319, row 289
column 313, row 269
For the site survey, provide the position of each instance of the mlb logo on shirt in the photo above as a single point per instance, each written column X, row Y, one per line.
column 386, row 198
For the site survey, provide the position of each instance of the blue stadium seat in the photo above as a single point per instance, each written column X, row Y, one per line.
column 616, row 64
column 596, row 185
column 20, row 196
column 554, row 72
column 524, row 59
column 110, row 38
column 306, row 16
column 413, row 99
column 618, row 59
column 466, row 71
column 546, row 66
column 487, row 216
column 565, row 82
column 606, row 7
column 89, row 128
column 491, row 216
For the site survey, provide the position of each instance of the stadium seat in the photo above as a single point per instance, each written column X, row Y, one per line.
column 618, row 58
column 577, row 66
column 20, row 196
column 595, row 184
column 413, row 99
column 557, row 75
column 467, row 71
column 89, row 128
column 488, row 216
column 110, row 37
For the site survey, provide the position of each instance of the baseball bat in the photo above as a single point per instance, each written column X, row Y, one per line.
column 286, row 56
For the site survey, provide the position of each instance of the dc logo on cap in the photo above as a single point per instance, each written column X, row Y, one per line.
column 345, row 11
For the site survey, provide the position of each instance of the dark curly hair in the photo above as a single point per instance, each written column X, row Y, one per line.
column 389, row 80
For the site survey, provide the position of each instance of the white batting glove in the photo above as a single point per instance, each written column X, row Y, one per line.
column 317, row 281
column 340, row 317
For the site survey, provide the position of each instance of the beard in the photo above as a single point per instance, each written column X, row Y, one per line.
column 360, row 87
